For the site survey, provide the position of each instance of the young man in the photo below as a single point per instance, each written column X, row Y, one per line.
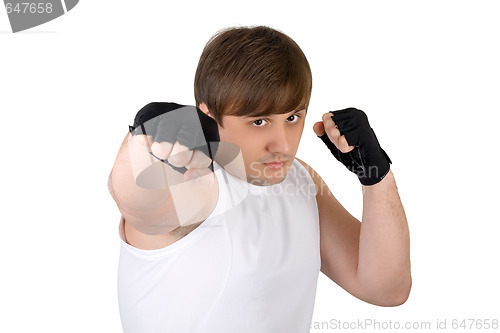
column 237, row 245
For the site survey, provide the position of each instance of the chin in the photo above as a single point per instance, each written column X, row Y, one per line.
column 268, row 176
column 264, row 182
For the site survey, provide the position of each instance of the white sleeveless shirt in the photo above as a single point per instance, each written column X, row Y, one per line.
column 251, row 266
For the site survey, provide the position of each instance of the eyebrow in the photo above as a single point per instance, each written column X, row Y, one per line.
column 291, row 113
column 300, row 109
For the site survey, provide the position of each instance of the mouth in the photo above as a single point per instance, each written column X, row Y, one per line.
column 275, row 164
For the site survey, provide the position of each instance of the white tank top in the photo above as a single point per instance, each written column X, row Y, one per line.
column 251, row 266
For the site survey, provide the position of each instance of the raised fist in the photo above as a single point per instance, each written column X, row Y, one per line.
column 352, row 141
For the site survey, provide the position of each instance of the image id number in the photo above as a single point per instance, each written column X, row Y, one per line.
column 29, row 8
column 477, row 324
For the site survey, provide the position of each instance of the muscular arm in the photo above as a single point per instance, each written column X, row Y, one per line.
column 371, row 260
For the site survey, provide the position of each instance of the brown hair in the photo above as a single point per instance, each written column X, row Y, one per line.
column 253, row 72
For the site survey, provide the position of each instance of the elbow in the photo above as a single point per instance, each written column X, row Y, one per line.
column 397, row 296
column 390, row 295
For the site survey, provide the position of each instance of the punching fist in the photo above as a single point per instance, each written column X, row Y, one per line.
column 163, row 175
column 352, row 141
column 182, row 137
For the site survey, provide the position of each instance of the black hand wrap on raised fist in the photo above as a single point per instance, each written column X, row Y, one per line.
column 367, row 160
column 183, row 125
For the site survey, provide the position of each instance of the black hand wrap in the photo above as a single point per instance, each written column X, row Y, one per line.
column 182, row 125
column 367, row 160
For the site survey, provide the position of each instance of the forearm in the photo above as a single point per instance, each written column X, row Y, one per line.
column 384, row 247
column 122, row 182
column 139, row 206
column 161, row 207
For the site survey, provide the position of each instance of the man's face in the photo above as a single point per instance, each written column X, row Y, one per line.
column 268, row 144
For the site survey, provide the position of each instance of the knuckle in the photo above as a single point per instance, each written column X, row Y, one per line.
column 179, row 156
column 199, row 160
column 161, row 149
column 344, row 145
column 178, row 149
column 333, row 133
column 361, row 116
column 178, row 160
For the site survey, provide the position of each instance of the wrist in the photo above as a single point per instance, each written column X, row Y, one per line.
column 388, row 181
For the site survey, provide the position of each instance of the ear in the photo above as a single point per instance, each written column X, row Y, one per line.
column 203, row 107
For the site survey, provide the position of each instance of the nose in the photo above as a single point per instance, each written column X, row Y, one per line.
column 279, row 141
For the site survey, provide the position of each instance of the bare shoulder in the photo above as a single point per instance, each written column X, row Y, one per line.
column 304, row 164
column 318, row 181
column 329, row 207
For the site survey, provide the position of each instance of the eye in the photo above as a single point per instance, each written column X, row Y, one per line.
column 293, row 118
column 259, row 122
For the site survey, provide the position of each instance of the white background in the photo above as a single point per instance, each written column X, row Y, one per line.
column 426, row 72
